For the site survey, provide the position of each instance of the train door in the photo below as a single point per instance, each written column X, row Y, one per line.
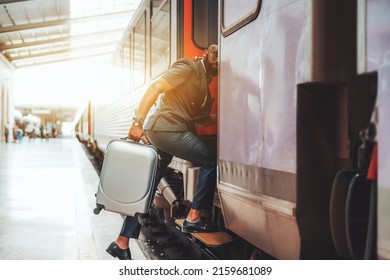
column 197, row 29
column 194, row 26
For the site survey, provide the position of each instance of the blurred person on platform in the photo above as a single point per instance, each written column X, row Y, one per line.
column 6, row 132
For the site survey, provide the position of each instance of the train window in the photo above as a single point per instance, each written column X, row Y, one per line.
column 125, row 66
column 160, row 37
column 125, row 53
column 236, row 14
column 115, row 77
column 205, row 23
column 139, row 52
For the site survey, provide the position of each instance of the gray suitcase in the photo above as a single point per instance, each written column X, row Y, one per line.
column 127, row 178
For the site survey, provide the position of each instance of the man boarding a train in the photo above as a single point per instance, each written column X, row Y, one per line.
column 185, row 103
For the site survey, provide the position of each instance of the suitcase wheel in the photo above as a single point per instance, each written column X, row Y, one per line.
column 97, row 210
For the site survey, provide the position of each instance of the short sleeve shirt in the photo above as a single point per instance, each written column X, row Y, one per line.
column 187, row 102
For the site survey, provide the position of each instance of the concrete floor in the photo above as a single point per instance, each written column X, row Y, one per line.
column 47, row 199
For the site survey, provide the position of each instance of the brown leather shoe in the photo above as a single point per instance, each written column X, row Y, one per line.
column 116, row 252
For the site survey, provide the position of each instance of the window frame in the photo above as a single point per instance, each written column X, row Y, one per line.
column 209, row 31
column 251, row 16
column 144, row 17
column 151, row 37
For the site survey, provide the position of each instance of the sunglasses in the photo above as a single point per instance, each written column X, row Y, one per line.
column 215, row 53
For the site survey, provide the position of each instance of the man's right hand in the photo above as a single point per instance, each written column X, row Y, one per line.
column 136, row 133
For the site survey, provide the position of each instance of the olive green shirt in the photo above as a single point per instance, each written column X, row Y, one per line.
column 187, row 102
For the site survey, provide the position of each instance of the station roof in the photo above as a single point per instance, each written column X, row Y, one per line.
column 34, row 32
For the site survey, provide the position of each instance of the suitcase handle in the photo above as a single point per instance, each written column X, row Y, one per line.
column 141, row 140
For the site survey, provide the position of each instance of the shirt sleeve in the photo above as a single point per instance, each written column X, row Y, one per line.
column 179, row 73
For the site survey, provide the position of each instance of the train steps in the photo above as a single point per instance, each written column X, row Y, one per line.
column 210, row 239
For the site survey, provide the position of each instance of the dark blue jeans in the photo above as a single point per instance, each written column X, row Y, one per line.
column 185, row 145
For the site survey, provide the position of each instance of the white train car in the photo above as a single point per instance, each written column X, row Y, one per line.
column 297, row 88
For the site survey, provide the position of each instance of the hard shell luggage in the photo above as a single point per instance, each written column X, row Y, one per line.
column 127, row 178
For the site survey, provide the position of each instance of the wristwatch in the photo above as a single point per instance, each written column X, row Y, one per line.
column 138, row 121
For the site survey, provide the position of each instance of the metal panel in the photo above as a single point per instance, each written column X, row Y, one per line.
column 252, row 95
column 384, row 164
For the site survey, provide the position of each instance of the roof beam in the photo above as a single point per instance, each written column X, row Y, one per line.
column 56, row 60
column 58, row 40
column 5, row 2
column 45, row 54
column 18, row 28
column 4, row 59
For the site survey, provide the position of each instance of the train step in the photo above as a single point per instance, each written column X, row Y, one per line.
column 210, row 239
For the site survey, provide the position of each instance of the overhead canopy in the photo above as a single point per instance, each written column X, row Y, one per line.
column 34, row 32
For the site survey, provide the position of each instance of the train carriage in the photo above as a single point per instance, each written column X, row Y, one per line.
column 298, row 84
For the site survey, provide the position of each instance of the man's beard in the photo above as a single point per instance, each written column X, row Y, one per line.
column 210, row 70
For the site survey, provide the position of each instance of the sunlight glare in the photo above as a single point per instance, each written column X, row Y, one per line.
column 65, row 84
column 73, row 83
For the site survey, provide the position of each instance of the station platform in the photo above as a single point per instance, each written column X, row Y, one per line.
column 47, row 197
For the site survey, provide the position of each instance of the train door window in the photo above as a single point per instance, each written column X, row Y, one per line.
column 236, row 14
column 139, row 52
column 160, row 37
column 205, row 22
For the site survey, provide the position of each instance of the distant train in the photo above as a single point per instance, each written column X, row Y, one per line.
column 303, row 102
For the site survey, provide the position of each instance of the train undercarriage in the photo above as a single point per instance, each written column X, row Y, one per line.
column 161, row 237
